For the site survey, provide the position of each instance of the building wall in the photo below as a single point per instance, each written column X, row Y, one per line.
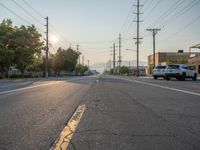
column 195, row 63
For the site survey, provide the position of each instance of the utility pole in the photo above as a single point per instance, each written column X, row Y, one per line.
column 129, row 67
column 154, row 31
column 47, row 46
column 88, row 63
column 119, row 53
column 83, row 60
column 77, row 48
column 138, row 33
column 114, row 58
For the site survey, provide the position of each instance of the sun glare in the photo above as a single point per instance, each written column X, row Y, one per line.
column 54, row 38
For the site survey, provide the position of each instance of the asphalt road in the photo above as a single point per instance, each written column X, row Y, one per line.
column 122, row 113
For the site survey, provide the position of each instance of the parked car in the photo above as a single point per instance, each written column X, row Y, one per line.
column 180, row 72
column 159, row 71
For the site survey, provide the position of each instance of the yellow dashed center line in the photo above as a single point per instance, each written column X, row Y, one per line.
column 66, row 135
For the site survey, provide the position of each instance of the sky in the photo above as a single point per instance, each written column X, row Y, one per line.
column 96, row 24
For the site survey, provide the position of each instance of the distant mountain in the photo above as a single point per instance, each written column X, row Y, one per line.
column 100, row 67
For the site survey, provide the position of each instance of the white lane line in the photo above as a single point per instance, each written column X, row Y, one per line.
column 66, row 135
column 30, row 87
column 40, row 85
column 164, row 87
column 13, row 84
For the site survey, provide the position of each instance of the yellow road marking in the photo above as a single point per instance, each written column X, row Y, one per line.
column 66, row 135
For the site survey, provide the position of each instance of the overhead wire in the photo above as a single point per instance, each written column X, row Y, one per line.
column 163, row 16
column 60, row 36
column 180, row 13
column 37, row 12
column 145, row 7
column 27, row 12
column 15, row 14
column 145, row 2
column 127, row 20
column 153, row 8
column 184, row 28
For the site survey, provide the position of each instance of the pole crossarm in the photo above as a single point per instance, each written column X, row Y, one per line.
column 154, row 30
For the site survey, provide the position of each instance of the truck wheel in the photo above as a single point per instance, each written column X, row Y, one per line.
column 155, row 77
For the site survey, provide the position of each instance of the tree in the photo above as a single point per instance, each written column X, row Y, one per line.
column 182, row 61
column 6, row 58
column 27, row 46
column 124, row 70
column 57, row 63
column 81, row 69
column 71, row 58
column 111, row 71
column 36, row 66
column 169, row 62
column 6, row 45
column 21, row 47
column 64, row 60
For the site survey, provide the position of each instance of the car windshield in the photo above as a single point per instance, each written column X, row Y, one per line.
column 185, row 67
column 160, row 67
column 173, row 67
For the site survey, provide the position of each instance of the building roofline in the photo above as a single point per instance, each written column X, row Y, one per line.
column 176, row 53
column 196, row 46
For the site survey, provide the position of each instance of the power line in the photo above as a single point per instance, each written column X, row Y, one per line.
column 27, row 12
column 168, row 12
column 180, row 13
column 147, row 5
column 130, row 27
column 15, row 14
column 19, row 16
column 60, row 35
column 156, row 5
column 37, row 12
column 145, row 2
column 50, row 25
column 127, row 18
column 184, row 28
